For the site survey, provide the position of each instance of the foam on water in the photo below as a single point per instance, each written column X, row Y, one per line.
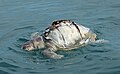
column 101, row 41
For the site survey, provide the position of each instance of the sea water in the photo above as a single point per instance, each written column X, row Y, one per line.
column 20, row 18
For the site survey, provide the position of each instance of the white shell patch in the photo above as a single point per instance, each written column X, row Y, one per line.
column 65, row 33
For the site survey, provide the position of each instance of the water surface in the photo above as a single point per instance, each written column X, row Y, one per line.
column 20, row 18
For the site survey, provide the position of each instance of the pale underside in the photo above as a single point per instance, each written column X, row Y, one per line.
column 68, row 36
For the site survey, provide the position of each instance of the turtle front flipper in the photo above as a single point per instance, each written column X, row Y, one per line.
column 50, row 52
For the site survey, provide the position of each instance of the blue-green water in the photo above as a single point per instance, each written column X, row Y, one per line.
column 20, row 18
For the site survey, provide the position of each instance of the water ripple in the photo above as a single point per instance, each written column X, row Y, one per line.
column 4, row 72
column 20, row 18
column 4, row 64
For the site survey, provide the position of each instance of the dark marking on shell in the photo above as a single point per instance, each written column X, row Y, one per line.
column 46, row 34
column 77, row 29
column 57, row 24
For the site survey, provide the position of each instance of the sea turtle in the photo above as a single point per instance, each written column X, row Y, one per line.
column 61, row 35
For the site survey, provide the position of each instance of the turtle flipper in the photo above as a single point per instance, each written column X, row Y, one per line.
column 51, row 54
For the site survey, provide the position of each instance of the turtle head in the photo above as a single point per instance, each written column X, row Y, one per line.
column 28, row 46
column 36, row 42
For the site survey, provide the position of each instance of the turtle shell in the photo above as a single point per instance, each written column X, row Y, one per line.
column 63, row 33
